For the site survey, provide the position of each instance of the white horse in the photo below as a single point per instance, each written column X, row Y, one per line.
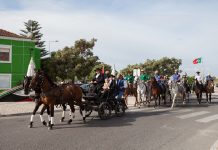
column 177, row 89
column 141, row 91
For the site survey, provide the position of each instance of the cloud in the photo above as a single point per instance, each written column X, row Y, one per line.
column 128, row 32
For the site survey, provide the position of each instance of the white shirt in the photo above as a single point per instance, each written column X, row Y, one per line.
column 198, row 77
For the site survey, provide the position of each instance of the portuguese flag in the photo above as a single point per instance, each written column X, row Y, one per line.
column 197, row 60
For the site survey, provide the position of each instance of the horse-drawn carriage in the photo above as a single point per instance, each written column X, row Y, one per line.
column 103, row 103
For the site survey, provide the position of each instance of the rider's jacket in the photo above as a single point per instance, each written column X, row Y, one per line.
column 209, row 78
column 144, row 77
column 176, row 77
column 120, row 85
column 129, row 78
column 99, row 78
column 158, row 78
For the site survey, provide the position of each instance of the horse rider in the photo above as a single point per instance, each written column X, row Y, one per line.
column 158, row 78
column 98, row 80
column 209, row 78
column 176, row 76
column 129, row 77
column 144, row 77
column 198, row 77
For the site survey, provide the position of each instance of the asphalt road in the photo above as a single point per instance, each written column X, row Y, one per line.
column 187, row 127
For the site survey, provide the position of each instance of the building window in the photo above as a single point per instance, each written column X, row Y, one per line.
column 5, row 53
column 5, row 80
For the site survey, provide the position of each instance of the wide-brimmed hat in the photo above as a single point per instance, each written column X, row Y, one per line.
column 197, row 71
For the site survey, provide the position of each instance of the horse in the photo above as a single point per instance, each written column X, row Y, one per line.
column 155, row 90
column 141, row 92
column 55, row 95
column 131, row 89
column 209, row 87
column 198, row 88
column 176, row 89
column 38, row 103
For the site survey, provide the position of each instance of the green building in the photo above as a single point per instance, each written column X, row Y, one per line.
column 15, row 54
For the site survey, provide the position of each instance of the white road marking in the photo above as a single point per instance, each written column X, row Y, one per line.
column 208, row 119
column 214, row 146
column 190, row 115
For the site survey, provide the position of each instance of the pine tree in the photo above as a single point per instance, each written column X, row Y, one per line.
column 33, row 31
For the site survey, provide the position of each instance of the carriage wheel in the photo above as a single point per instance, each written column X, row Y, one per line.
column 88, row 110
column 104, row 110
column 120, row 109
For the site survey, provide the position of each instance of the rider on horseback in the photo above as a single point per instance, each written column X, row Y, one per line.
column 209, row 78
column 144, row 77
column 129, row 77
column 176, row 76
column 198, row 77
column 158, row 78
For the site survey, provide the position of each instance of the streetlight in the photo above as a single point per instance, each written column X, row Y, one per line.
column 49, row 45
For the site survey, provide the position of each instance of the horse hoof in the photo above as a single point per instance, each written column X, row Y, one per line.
column 69, row 122
column 84, row 120
column 30, row 125
column 49, row 123
column 44, row 123
column 50, row 127
column 62, row 119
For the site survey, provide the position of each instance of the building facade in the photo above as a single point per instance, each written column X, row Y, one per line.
column 15, row 54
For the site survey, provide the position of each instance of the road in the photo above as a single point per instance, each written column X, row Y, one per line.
column 187, row 127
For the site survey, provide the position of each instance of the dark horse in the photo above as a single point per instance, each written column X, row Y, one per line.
column 198, row 88
column 38, row 103
column 55, row 95
column 131, row 90
column 209, row 87
column 156, row 91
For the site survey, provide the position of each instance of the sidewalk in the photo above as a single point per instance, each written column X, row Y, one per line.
column 24, row 108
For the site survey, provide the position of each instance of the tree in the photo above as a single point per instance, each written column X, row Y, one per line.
column 70, row 62
column 32, row 30
column 165, row 66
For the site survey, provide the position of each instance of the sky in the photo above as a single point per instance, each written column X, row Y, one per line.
column 127, row 31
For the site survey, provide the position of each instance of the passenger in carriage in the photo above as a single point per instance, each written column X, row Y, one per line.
column 98, row 81
column 107, row 74
column 120, row 86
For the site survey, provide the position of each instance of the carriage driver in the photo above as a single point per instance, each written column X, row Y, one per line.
column 144, row 77
column 98, row 80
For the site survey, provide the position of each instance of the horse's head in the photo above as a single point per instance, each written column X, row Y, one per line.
column 26, row 84
column 37, row 80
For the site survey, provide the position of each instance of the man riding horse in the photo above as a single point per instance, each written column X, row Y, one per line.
column 208, row 79
column 159, row 80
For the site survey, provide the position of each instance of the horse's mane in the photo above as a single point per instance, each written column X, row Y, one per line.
column 49, row 79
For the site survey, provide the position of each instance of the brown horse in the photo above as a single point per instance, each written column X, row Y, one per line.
column 209, row 87
column 131, row 90
column 38, row 102
column 54, row 95
column 198, row 88
column 155, row 90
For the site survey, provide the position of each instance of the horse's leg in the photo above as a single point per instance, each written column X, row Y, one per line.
column 41, row 115
column 184, row 98
column 207, row 97
column 210, row 96
column 37, row 104
column 63, row 113
column 51, row 107
column 174, row 99
column 72, row 113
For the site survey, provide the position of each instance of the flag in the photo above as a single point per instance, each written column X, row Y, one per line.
column 197, row 60
column 102, row 70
